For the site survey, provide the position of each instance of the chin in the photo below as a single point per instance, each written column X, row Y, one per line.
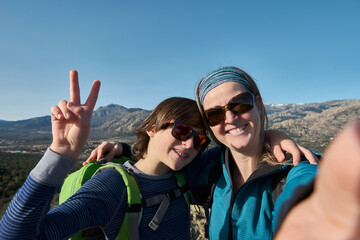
column 179, row 165
column 241, row 146
column 175, row 166
column 175, row 169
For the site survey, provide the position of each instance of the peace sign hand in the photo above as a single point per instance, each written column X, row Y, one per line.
column 71, row 120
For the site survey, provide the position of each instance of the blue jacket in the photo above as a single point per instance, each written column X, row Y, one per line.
column 249, row 213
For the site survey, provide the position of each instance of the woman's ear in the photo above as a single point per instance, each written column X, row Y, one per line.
column 151, row 131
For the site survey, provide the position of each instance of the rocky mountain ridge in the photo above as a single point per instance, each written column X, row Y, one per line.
column 311, row 124
column 315, row 124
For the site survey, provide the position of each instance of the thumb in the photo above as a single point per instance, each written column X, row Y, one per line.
column 278, row 153
column 79, row 112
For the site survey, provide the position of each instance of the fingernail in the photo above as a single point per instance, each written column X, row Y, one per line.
column 67, row 115
column 58, row 116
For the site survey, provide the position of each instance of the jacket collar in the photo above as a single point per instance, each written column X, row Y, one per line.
column 263, row 169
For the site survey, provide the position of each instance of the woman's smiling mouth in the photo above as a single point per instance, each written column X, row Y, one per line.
column 237, row 130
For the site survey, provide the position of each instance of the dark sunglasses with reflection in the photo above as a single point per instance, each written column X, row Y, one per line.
column 183, row 132
column 239, row 104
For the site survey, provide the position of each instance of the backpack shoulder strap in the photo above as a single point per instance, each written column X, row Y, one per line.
column 183, row 186
column 75, row 180
column 164, row 200
column 279, row 181
column 130, row 226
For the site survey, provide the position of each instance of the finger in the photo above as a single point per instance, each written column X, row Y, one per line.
column 56, row 113
column 105, row 147
column 91, row 158
column 93, row 95
column 278, row 153
column 74, row 87
column 96, row 154
column 296, row 155
column 115, row 151
column 309, row 155
column 75, row 109
column 100, row 151
column 66, row 112
column 83, row 121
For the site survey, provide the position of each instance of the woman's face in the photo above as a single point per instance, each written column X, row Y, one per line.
column 239, row 132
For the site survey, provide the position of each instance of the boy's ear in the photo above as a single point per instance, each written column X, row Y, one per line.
column 151, row 132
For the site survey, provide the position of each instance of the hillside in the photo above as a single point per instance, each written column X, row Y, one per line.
column 312, row 124
column 114, row 121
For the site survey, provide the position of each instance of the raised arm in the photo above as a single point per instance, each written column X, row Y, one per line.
column 27, row 216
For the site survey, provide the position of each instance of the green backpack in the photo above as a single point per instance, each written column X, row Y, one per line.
column 129, row 228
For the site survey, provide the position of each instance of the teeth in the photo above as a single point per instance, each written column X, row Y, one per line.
column 180, row 153
column 237, row 130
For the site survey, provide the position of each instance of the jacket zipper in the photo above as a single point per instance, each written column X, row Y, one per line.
column 233, row 196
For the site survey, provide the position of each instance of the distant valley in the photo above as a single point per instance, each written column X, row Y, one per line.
column 312, row 125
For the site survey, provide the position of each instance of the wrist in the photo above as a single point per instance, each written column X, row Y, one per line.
column 64, row 150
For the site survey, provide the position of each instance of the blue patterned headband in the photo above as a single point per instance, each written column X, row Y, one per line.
column 220, row 76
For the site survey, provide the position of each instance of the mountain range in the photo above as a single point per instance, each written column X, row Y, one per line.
column 312, row 124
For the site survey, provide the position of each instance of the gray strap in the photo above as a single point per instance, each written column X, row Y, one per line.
column 133, row 225
column 165, row 203
column 159, row 198
column 153, row 200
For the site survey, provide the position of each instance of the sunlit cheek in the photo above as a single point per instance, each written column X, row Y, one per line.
column 218, row 131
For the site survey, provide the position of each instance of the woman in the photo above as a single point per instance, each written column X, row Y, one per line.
column 168, row 139
column 232, row 108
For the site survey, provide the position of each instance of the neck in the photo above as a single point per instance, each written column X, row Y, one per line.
column 149, row 166
column 245, row 165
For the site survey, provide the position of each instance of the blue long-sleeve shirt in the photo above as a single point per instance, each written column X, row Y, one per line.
column 100, row 202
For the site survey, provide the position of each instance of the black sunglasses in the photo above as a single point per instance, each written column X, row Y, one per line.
column 183, row 132
column 239, row 104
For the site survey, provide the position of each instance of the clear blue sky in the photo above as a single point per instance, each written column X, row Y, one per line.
column 145, row 51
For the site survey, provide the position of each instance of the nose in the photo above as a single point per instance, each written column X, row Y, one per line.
column 188, row 143
column 230, row 116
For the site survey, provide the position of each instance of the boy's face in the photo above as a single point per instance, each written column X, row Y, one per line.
column 169, row 152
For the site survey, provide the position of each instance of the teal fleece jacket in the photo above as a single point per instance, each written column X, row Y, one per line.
column 250, row 213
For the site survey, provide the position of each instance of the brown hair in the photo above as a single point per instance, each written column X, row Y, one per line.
column 179, row 108
column 267, row 154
